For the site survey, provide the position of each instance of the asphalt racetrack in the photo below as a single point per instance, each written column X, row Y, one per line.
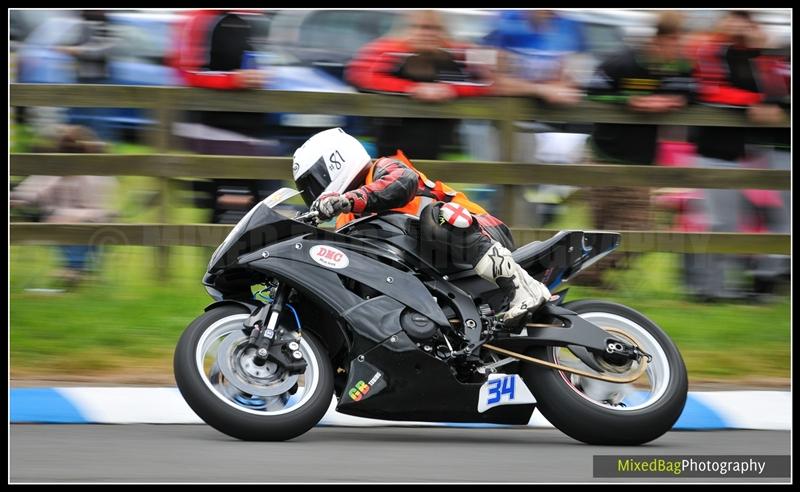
column 198, row 453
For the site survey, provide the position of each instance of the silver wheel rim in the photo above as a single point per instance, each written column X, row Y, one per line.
column 643, row 393
column 263, row 391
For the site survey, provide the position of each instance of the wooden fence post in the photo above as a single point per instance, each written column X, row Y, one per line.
column 162, row 139
column 507, row 140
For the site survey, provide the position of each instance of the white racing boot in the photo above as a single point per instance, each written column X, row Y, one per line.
column 499, row 267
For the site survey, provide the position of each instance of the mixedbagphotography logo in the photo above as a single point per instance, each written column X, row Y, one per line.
column 738, row 466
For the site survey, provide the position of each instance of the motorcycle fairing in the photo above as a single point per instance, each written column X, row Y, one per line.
column 294, row 261
column 420, row 387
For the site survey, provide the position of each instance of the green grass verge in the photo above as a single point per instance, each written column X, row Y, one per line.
column 126, row 319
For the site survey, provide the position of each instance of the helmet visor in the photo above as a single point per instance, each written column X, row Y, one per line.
column 313, row 182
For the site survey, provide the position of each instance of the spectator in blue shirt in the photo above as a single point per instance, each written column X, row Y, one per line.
column 539, row 42
column 534, row 51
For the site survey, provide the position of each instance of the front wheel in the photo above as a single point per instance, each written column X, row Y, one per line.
column 219, row 379
column 598, row 412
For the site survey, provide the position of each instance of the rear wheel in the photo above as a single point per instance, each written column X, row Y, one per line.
column 598, row 412
column 217, row 375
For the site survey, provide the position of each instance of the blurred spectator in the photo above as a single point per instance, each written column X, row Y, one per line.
column 72, row 199
column 92, row 52
column 534, row 49
column 653, row 78
column 93, row 49
column 537, row 46
column 736, row 69
column 213, row 51
column 424, row 63
column 534, row 52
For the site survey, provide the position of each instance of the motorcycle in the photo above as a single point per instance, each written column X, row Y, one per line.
column 304, row 315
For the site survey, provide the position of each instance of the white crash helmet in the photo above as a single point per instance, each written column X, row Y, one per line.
column 330, row 161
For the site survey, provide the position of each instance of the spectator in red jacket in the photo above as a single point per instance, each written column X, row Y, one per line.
column 376, row 67
column 736, row 69
column 211, row 52
column 425, row 64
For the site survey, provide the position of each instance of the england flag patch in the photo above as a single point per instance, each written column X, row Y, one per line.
column 456, row 215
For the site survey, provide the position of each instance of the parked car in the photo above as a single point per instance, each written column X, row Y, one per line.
column 154, row 35
column 139, row 58
column 22, row 22
column 287, row 73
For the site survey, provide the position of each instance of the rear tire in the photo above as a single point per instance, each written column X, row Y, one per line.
column 238, row 423
column 591, row 423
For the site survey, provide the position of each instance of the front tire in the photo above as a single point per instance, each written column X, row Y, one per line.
column 239, row 420
column 562, row 403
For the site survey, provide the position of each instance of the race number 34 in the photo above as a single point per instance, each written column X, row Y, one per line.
column 499, row 388
column 503, row 389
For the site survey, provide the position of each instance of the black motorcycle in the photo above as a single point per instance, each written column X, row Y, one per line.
column 304, row 314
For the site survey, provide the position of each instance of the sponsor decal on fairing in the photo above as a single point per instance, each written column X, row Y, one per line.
column 329, row 257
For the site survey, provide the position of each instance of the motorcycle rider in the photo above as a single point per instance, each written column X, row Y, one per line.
column 337, row 177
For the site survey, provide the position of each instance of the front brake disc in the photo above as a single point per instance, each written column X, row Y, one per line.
column 227, row 355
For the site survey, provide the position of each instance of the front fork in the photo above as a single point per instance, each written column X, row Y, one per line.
column 267, row 335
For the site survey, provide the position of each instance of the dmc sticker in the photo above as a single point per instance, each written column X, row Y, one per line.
column 329, row 257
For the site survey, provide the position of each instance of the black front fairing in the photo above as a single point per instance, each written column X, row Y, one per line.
column 294, row 260
column 225, row 277
column 261, row 226
column 265, row 244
